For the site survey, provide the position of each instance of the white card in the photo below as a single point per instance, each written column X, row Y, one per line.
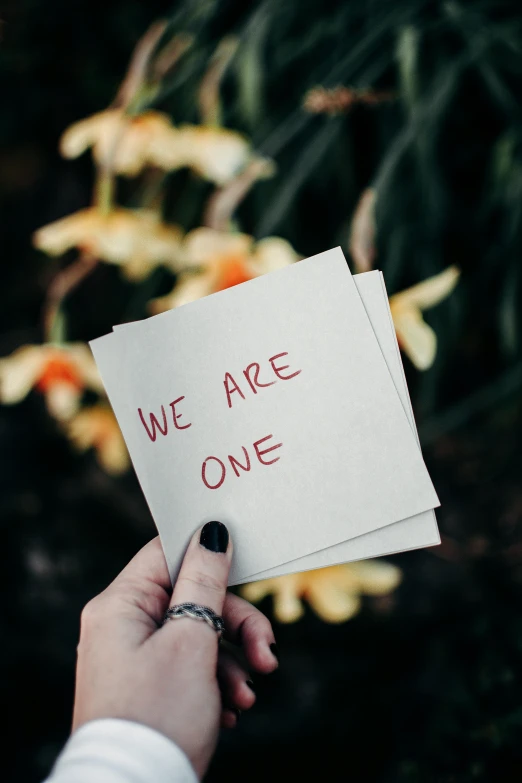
column 418, row 531
column 348, row 462
column 413, row 533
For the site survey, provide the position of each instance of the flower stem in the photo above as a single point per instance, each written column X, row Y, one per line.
column 104, row 189
column 223, row 202
column 61, row 286
column 209, row 102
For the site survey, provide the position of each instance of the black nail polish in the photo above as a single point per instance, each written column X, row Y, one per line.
column 274, row 650
column 214, row 536
column 236, row 712
column 251, row 685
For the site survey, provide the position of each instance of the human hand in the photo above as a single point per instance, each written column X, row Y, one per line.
column 173, row 678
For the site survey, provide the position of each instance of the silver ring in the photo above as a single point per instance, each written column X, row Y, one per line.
column 197, row 612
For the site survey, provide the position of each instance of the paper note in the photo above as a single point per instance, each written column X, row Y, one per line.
column 268, row 406
column 413, row 533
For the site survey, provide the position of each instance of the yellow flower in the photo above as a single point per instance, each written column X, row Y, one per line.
column 124, row 142
column 136, row 240
column 334, row 593
column 217, row 154
column 216, row 260
column 60, row 373
column 127, row 144
column 96, row 427
column 416, row 338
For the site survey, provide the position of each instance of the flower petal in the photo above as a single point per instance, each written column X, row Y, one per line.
column 332, row 604
column 273, row 253
column 82, row 357
column 416, row 338
column 83, row 134
column 285, row 593
column 136, row 237
column 97, row 427
column 256, row 591
column 376, row 577
column 20, row 371
column 362, row 233
column 137, row 268
column 206, row 245
column 189, row 288
column 133, row 145
column 113, row 455
column 288, row 607
column 72, row 231
column 126, row 143
column 428, row 293
column 217, row 154
column 63, row 400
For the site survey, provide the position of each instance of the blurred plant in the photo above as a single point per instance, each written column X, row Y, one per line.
column 334, row 593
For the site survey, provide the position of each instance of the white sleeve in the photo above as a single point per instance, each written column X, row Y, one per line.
column 121, row 751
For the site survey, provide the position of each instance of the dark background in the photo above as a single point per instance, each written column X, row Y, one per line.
column 425, row 686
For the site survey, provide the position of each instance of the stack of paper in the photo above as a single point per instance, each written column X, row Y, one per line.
column 280, row 408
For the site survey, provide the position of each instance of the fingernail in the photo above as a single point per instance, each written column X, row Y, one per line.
column 236, row 712
column 274, row 650
column 214, row 536
column 251, row 685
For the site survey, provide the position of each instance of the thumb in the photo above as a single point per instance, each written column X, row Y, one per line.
column 203, row 576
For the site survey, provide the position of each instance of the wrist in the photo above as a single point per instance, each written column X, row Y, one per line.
column 115, row 749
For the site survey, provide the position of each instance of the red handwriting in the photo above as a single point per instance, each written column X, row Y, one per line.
column 218, row 471
column 232, row 386
column 155, row 426
column 176, row 416
column 259, row 452
column 278, row 370
column 256, row 381
column 237, row 464
column 223, row 472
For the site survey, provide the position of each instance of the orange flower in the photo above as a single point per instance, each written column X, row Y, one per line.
column 416, row 338
column 96, row 427
column 215, row 260
column 135, row 240
column 334, row 593
column 60, row 373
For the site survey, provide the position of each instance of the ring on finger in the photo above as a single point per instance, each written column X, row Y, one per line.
column 196, row 612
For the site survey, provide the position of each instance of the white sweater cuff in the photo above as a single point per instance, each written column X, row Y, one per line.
column 121, row 751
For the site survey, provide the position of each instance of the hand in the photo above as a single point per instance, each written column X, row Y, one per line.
column 170, row 677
